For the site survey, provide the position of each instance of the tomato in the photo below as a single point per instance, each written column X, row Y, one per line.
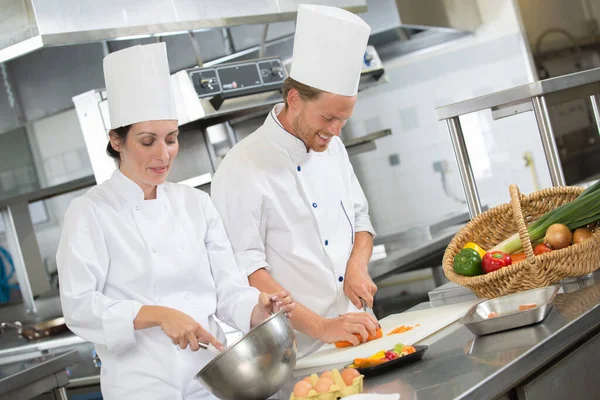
column 541, row 249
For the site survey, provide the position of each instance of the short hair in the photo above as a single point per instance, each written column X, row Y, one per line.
column 307, row 93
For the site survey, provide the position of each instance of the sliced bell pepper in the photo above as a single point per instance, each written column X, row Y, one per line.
column 494, row 261
column 377, row 356
column 467, row 262
column 371, row 337
column 475, row 247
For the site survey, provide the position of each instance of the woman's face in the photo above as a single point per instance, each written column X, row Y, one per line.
column 148, row 151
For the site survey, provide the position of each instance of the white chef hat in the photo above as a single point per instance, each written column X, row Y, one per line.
column 138, row 85
column 329, row 48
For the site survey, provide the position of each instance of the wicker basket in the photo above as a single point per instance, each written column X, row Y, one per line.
column 499, row 223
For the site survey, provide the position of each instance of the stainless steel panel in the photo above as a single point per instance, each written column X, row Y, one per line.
column 542, row 117
column 574, row 377
column 455, row 14
column 507, row 308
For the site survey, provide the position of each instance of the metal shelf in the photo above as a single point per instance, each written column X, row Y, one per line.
column 537, row 97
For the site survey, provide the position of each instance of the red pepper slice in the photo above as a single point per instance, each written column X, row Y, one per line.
column 495, row 260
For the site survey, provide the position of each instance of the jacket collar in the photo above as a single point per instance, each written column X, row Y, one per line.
column 130, row 190
column 292, row 145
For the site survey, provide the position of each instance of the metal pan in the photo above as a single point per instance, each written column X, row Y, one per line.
column 37, row 331
column 507, row 308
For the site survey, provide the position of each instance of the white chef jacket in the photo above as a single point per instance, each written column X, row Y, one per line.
column 118, row 252
column 294, row 212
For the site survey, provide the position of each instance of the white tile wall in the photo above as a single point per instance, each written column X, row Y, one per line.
column 410, row 194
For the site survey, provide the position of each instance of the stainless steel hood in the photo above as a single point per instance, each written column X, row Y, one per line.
column 27, row 25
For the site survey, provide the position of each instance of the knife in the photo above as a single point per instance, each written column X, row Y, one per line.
column 368, row 310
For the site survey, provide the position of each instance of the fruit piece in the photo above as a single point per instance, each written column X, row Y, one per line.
column 323, row 385
column 558, row 236
column 475, row 247
column 348, row 375
column 467, row 262
column 541, row 249
column 348, row 344
column 494, row 261
column 524, row 307
column 302, row 388
column 581, row 234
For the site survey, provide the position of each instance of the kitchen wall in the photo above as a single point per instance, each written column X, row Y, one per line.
column 410, row 193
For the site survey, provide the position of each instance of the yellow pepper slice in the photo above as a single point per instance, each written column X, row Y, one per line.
column 377, row 356
column 475, row 247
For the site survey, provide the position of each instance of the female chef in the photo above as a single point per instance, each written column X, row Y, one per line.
column 145, row 266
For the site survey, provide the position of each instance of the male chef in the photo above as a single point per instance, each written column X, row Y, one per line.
column 294, row 211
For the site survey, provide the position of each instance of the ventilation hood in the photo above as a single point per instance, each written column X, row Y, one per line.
column 27, row 25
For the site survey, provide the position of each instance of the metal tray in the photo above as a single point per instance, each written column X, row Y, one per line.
column 395, row 363
column 507, row 308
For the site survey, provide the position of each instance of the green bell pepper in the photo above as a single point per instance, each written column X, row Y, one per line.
column 467, row 262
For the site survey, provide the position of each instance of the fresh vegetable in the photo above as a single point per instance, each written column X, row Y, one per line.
column 494, row 261
column 398, row 348
column 541, row 249
column 475, row 247
column 371, row 337
column 518, row 257
column 582, row 211
column 377, row 356
column 558, row 236
column 581, row 234
column 366, row 363
column 467, row 262
column 391, row 355
column 400, row 329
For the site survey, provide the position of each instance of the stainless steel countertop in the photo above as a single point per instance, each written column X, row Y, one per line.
column 20, row 374
column 461, row 366
column 519, row 94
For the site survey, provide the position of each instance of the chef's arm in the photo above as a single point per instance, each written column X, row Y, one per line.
column 82, row 260
column 362, row 249
column 328, row 330
column 358, row 283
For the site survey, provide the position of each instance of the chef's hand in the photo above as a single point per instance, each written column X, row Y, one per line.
column 184, row 330
column 272, row 303
column 358, row 284
column 345, row 326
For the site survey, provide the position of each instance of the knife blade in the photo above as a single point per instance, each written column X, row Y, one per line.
column 368, row 310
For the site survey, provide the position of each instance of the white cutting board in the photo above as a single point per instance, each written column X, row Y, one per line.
column 430, row 321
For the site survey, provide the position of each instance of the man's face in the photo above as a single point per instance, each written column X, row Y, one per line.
column 317, row 121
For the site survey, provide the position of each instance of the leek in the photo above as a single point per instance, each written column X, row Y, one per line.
column 582, row 211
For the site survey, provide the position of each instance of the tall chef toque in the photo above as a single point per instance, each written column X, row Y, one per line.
column 138, row 85
column 329, row 47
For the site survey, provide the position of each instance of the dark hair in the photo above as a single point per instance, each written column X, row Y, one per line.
column 306, row 92
column 121, row 132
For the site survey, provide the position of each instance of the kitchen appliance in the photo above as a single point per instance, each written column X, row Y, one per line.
column 255, row 367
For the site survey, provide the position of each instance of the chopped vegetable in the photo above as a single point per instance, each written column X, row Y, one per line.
column 400, row 329
column 467, row 262
column 494, row 261
column 584, row 210
column 371, row 337
column 524, row 307
column 475, row 247
column 581, row 234
column 391, row 355
column 558, row 236
column 366, row 362
column 541, row 249
column 377, row 356
column 398, row 348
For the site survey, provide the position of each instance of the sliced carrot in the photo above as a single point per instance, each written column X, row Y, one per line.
column 342, row 344
column 400, row 329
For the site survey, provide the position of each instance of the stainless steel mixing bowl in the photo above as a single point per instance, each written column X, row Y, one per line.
column 255, row 367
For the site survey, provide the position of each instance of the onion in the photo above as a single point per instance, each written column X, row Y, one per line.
column 558, row 236
column 581, row 234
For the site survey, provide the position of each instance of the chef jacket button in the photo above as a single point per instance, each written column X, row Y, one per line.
column 137, row 208
column 314, row 205
column 154, row 250
column 299, row 168
column 341, row 279
column 326, row 242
